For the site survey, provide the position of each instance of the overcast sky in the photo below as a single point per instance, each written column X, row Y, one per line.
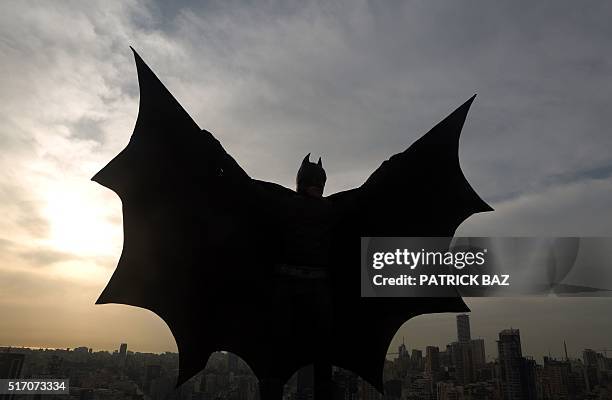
column 352, row 81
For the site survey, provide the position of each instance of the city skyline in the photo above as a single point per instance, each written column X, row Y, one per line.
column 435, row 374
column 491, row 345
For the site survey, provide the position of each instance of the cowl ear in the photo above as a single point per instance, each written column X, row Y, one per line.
column 306, row 159
column 319, row 163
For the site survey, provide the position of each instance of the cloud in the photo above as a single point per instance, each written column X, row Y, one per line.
column 353, row 81
column 44, row 257
column 358, row 82
column 21, row 210
column 578, row 208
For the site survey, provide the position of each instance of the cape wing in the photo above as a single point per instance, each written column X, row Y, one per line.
column 199, row 240
column 419, row 192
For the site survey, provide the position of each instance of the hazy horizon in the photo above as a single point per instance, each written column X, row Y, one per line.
column 353, row 82
column 441, row 330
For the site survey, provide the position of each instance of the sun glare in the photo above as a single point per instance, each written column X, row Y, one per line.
column 81, row 222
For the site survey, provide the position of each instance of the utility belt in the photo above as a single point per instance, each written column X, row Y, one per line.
column 301, row 271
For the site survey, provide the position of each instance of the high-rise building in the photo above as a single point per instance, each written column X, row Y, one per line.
column 463, row 328
column 445, row 357
column 556, row 375
column 593, row 367
column 433, row 369
column 529, row 379
column 589, row 357
column 402, row 351
column 122, row 354
column 462, row 362
column 511, row 364
column 123, row 350
column 432, row 360
column 478, row 352
column 416, row 359
column 403, row 362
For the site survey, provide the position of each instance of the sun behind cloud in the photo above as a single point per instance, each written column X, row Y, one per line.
column 77, row 224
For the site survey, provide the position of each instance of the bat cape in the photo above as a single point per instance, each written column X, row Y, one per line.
column 201, row 237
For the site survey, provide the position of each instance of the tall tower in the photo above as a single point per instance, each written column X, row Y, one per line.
column 462, row 360
column 463, row 328
column 432, row 360
column 123, row 350
column 511, row 364
column 402, row 350
column 478, row 352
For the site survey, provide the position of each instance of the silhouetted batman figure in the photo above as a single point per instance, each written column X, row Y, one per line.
column 271, row 274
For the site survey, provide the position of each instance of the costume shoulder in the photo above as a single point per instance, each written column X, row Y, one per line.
column 275, row 190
